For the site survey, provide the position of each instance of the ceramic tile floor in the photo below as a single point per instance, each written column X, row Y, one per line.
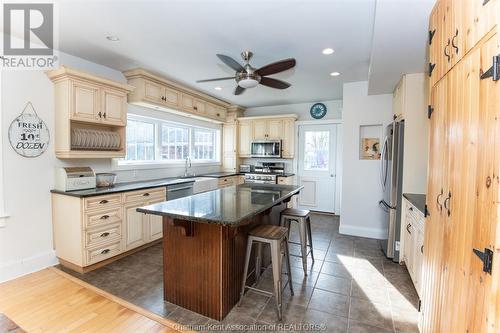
column 351, row 287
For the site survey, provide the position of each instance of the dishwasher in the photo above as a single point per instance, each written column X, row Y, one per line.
column 179, row 191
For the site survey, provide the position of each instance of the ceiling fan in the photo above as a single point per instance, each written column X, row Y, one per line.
column 248, row 77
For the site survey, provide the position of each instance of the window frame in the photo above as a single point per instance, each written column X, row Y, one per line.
column 123, row 164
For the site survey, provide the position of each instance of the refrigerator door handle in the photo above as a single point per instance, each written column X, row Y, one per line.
column 383, row 169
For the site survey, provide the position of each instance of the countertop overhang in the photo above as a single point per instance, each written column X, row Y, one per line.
column 229, row 206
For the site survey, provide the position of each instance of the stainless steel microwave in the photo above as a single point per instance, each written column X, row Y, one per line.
column 267, row 148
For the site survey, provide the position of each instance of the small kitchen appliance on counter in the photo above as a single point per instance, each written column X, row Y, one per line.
column 105, row 179
column 74, row 178
column 245, row 168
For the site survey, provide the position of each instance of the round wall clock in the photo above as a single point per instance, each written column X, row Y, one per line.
column 318, row 110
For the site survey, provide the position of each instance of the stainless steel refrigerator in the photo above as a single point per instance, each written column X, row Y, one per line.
column 391, row 180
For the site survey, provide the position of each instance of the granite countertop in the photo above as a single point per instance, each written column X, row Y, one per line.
column 123, row 187
column 230, row 206
column 220, row 174
column 417, row 200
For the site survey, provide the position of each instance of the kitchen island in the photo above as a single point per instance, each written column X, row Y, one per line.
column 204, row 242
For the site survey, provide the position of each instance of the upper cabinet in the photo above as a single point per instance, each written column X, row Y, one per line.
column 158, row 93
column 91, row 114
column 267, row 128
column 453, row 31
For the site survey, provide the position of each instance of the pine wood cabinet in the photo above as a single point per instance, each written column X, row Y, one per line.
column 159, row 93
column 88, row 102
column 95, row 230
column 458, row 287
column 230, row 147
column 267, row 128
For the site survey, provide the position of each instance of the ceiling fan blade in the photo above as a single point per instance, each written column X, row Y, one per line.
column 218, row 79
column 276, row 67
column 231, row 62
column 274, row 83
column 239, row 90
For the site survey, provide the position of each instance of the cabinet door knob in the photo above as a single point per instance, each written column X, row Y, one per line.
column 195, row 107
column 408, row 228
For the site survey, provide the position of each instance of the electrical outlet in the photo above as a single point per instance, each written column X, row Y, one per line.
column 397, row 246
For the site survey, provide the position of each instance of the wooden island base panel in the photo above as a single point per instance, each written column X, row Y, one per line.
column 203, row 265
column 204, row 248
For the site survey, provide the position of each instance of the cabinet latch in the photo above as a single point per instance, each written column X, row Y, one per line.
column 487, row 259
column 430, row 110
column 494, row 70
column 431, row 35
column 431, row 68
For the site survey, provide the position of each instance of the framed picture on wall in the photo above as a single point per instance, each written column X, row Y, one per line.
column 370, row 149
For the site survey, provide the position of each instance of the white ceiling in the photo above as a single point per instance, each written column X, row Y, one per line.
column 179, row 39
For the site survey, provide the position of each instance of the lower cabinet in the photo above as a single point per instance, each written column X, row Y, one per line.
column 90, row 230
column 231, row 181
column 413, row 243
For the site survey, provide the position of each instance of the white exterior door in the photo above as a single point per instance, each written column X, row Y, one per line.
column 317, row 167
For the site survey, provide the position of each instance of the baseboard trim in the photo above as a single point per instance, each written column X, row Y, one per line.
column 15, row 269
column 362, row 231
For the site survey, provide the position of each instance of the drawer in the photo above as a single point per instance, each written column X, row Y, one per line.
column 102, row 252
column 103, row 236
column 146, row 195
column 102, row 201
column 227, row 181
column 103, row 218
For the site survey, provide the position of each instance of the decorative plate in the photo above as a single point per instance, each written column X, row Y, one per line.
column 318, row 110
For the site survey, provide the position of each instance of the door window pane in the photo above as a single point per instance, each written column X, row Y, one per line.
column 316, row 150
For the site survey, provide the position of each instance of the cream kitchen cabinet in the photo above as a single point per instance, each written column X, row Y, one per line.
column 90, row 232
column 159, row 93
column 413, row 243
column 230, row 181
column 85, row 101
column 229, row 147
column 245, row 138
column 267, row 128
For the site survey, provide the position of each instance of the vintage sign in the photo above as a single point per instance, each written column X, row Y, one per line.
column 28, row 133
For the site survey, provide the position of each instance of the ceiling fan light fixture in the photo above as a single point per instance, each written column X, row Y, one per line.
column 248, row 83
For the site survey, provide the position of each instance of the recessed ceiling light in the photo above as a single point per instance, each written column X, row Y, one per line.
column 334, row 74
column 218, row 88
column 328, row 51
column 113, row 38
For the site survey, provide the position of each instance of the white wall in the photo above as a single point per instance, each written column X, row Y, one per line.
column 334, row 110
column 26, row 238
column 361, row 190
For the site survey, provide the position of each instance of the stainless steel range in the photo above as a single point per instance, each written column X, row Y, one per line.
column 265, row 173
column 260, row 178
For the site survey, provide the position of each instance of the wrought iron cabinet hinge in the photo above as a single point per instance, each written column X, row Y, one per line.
column 430, row 110
column 487, row 259
column 426, row 211
column 494, row 70
column 431, row 68
column 431, row 35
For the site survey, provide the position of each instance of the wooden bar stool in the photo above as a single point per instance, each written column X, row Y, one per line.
column 277, row 238
column 304, row 220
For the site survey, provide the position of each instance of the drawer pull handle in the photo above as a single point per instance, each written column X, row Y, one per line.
column 102, row 202
column 104, row 217
column 422, row 249
column 105, row 234
column 105, row 251
column 408, row 228
column 146, row 194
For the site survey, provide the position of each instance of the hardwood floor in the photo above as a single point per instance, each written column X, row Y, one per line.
column 52, row 301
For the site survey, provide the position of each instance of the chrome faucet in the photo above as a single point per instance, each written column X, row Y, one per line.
column 187, row 165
